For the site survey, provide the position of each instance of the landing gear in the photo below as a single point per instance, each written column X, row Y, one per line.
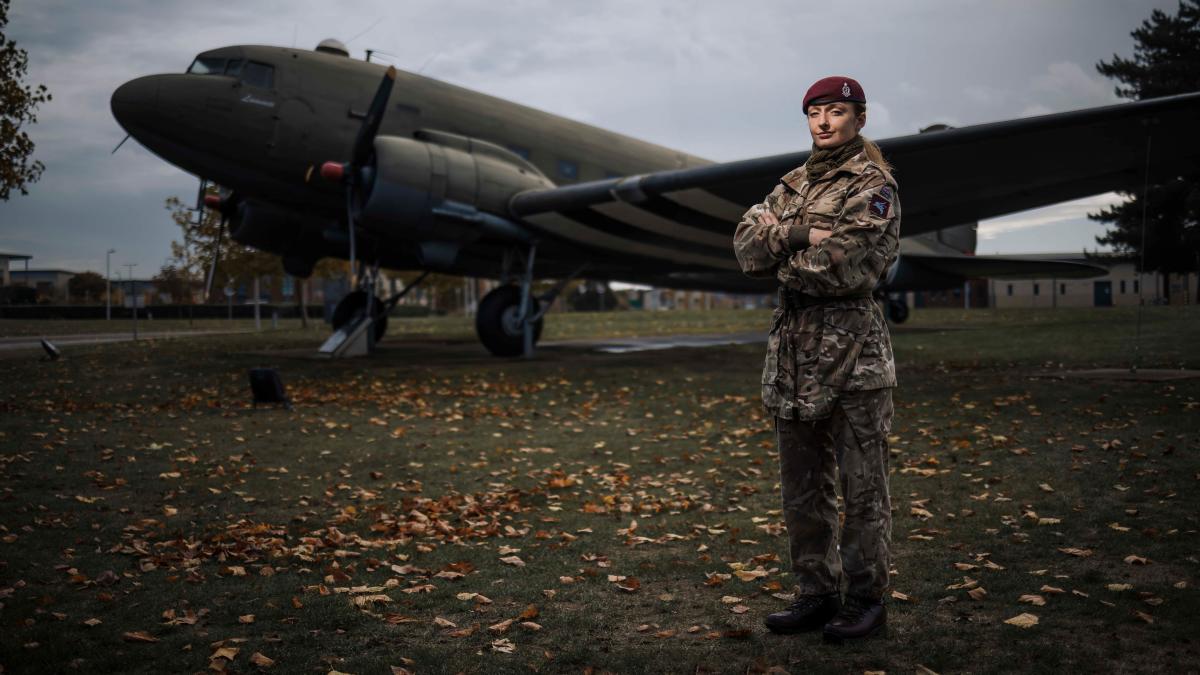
column 499, row 322
column 354, row 304
column 509, row 319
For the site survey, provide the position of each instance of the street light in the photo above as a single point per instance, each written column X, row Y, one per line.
column 108, row 285
column 134, row 297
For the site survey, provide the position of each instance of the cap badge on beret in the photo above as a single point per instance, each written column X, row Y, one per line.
column 845, row 89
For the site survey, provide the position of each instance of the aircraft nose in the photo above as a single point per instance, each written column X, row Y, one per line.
column 134, row 102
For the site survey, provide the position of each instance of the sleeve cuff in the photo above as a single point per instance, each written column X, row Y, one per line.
column 797, row 238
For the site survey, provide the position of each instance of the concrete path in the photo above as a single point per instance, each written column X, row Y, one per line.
column 642, row 344
column 61, row 341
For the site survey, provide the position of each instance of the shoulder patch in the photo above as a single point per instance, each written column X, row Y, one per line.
column 881, row 202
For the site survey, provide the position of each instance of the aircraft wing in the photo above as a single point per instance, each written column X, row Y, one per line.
column 1004, row 267
column 686, row 217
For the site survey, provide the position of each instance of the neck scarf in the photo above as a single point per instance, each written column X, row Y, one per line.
column 822, row 160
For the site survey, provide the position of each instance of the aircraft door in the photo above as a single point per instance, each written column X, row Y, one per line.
column 1102, row 294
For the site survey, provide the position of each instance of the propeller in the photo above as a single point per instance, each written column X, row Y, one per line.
column 351, row 174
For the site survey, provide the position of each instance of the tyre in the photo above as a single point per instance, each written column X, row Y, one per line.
column 897, row 311
column 496, row 322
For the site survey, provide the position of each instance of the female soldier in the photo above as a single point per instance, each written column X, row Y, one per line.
column 827, row 232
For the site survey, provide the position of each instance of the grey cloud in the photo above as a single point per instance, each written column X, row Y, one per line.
column 717, row 79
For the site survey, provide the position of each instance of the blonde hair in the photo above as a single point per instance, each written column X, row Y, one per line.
column 873, row 152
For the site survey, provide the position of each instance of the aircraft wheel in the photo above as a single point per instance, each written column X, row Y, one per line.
column 897, row 310
column 355, row 303
column 497, row 322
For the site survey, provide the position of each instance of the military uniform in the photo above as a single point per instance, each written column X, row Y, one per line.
column 829, row 368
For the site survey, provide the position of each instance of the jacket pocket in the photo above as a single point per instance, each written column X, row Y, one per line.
column 843, row 332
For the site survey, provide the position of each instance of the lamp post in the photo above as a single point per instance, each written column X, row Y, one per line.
column 133, row 297
column 108, row 285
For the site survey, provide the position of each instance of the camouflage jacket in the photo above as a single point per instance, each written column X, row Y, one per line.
column 816, row 351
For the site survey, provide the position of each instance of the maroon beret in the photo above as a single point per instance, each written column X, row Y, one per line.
column 835, row 88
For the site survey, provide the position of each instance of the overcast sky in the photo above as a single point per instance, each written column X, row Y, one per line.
column 722, row 80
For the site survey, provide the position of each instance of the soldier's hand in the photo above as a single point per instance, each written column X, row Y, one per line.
column 766, row 217
column 815, row 235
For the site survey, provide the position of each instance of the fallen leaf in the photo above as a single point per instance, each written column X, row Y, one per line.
column 1022, row 621
column 92, row 622
column 501, row 627
column 1136, row 560
column 258, row 659
column 246, row 618
column 1053, row 590
column 1032, row 599
column 977, row 593
column 138, row 636
column 443, row 623
column 1117, row 588
column 739, row 609
column 1143, row 616
column 1077, row 552
column 504, row 646
column 513, row 560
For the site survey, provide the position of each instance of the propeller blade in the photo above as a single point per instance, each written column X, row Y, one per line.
column 370, row 126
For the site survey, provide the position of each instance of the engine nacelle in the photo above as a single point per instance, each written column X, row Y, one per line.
column 411, row 178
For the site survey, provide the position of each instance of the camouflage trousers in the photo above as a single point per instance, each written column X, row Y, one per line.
column 851, row 445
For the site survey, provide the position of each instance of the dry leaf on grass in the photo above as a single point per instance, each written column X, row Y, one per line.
column 1077, row 552
column 138, row 636
column 1022, row 621
column 262, row 661
column 1032, row 599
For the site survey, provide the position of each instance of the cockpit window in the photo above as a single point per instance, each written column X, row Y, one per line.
column 258, row 75
column 207, row 65
column 233, row 67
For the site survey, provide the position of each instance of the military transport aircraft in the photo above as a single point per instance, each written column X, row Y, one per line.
column 319, row 155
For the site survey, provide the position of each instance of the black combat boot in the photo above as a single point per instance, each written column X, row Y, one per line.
column 808, row 612
column 859, row 618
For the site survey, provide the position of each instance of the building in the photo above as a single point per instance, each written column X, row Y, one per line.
column 51, row 285
column 1121, row 286
column 6, row 257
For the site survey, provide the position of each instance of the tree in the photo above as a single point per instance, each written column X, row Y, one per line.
column 17, row 104
column 200, row 242
column 176, row 281
column 1166, row 61
column 86, row 286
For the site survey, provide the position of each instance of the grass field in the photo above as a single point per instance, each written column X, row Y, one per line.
column 434, row 509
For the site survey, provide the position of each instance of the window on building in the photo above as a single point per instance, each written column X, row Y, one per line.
column 1135, row 285
column 1035, row 289
column 259, row 75
column 1010, row 290
column 568, row 169
column 1062, row 289
column 1122, row 287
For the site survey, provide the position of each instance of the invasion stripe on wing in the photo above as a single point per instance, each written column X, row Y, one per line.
column 579, row 233
column 632, row 215
column 707, row 202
